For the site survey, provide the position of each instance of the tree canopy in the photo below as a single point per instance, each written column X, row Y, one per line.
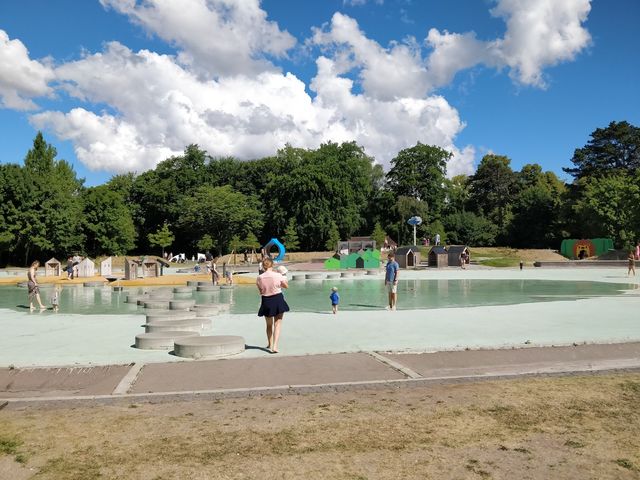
column 311, row 198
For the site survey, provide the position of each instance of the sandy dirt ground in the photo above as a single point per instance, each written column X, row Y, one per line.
column 580, row 426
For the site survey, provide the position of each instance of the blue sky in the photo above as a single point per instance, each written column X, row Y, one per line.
column 530, row 80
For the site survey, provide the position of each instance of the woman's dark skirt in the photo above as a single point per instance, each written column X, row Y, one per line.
column 273, row 306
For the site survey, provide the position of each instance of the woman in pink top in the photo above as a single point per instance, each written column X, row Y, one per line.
column 273, row 306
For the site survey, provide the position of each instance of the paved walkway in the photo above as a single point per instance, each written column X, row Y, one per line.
column 280, row 374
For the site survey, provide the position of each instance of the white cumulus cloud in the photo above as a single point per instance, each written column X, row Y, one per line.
column 219, row 37
column 223, row 91
column 21, row 78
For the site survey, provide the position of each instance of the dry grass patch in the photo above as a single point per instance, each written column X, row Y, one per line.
column 570, row 427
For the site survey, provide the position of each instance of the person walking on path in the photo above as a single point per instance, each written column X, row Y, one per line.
column 335, row 299
column 632, row 264
column 638, row 250
column 391, row 280
column 32, row 285
column 437, row 239
column 273, row 305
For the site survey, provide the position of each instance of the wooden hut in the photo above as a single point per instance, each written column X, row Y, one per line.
column 130, row 269
column 408, row 257
column 86, row 268
column 150, row 268
column 52, row 268
column 105, row 267
column 438, row 257
column 454, row 255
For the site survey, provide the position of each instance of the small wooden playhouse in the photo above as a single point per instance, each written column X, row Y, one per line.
column 408, row 257
column 454, row 255
column 52, row 268
column 438, row 257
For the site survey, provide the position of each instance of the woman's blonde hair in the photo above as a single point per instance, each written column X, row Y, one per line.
column 267, row 263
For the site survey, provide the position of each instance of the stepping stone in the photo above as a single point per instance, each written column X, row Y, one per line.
column 93, row 284
column 205, row 310
column 208, row 346
column 227, row 287
column 161, row 295
column 358, row 273
column 188, row 325
column 164, row 315
column 373, row 272
column 182, row 289
column 184, row 304
column 156, row 304
column 192, row 283
column 297, row 277
column 49, row 285
column 203, row 284
column 181, row 296
column 208, row 288
column 346, row 274
column 333, row 275
column 314, row 276
column 161, row 340
column 135, row 298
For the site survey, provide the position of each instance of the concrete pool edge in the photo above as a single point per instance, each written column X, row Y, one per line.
column 371, row 370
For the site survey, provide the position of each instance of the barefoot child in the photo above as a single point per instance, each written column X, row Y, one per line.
column 55, row 299
column 632, row 264
column 335, row 300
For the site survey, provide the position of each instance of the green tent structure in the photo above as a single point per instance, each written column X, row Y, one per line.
column 584, row 248
column 362, row 259
column 332, row 264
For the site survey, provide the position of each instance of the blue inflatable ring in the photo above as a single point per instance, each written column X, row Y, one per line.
column 274, row 242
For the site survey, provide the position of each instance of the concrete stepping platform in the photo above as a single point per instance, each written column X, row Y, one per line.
column 161, row 295
column 297, row 277
column 331, row 276
column 187, row 325
column 314, row 276
column 373, row 272
column 182, row 296
column 346, row 274
column 156, row 304
column 192, row 283
column 135, row 298
column 208, row 288
column 182, row 304
column 161, row 340
column 203, row 284
column 182, row 290
column 164, row 315
column 211, row 346
column 94, row 284
column 227, row 287
column 206, row 310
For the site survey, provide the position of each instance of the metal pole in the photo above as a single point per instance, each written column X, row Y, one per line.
column 414, row 234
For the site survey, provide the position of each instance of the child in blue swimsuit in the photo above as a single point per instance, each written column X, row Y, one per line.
column 335, row 300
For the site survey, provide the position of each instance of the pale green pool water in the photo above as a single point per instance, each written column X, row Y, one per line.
column 313, row 296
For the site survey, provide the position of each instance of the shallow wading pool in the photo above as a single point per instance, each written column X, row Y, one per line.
column 313, row 296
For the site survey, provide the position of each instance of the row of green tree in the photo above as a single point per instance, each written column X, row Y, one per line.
column 311, row 198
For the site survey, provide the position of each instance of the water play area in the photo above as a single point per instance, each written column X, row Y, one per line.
column 438, row 310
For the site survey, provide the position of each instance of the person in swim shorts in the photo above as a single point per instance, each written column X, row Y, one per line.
column 391, row 280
